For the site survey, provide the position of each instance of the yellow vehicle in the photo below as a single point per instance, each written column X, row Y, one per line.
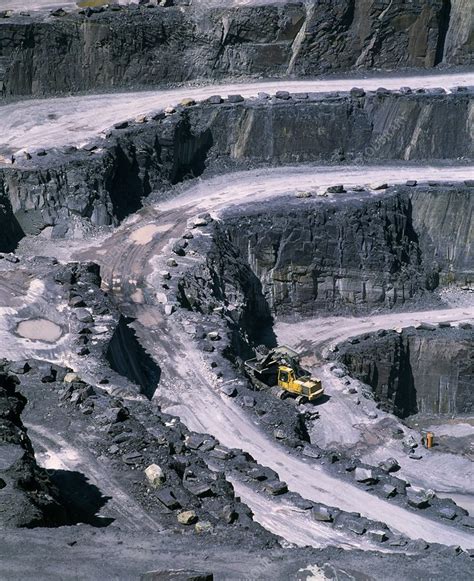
column 280, row 368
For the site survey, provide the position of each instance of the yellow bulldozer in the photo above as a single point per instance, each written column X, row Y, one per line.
column 279, row 368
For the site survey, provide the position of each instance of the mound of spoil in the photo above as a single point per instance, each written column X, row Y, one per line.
column 27, row 496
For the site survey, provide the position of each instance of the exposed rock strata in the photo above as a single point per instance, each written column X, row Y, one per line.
column 105, row 186
column 423, row 371
column 41, row 55
column 360, row 252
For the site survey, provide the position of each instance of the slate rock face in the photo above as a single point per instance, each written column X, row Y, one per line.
column 416, row 370
column 27, row 496
column 79, row 53
column 103, row 188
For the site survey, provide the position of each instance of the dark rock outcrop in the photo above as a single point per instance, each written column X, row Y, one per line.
column 105, row 186
column 311, row 256
column 27, row 496
column 97, row 50
column 414, row 371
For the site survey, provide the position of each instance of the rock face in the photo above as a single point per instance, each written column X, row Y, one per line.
column 43, row 55
column 312, row 256
column 10, row 231
column 105, row 187
column 27, row 496
column 445, row 227
column 416, row 371
column 126, row 356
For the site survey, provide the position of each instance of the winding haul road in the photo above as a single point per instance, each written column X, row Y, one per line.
column 45, row 123
column 131, row 256
column 135, row 251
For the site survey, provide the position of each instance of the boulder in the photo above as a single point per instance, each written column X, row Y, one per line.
column 364, row 475
column 83, row 315
column 322, row 513
column 276, row 487
column 155, row 475
column 378, row 536
column 337, row 189
column 167, row 497
column 390, row 465
column 388, row 490
column 447, row 513
column 417, row 499
column 229, row 390
column 203, row 527
column 235, row 98
column 229, row 514
column 187, row 517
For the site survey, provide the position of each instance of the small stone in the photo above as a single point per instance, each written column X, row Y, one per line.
column 411, row 183
column 276, row 487
column 203, row 527
column 76, row 302
column 311, row 452
column 337, row 189
column 167, row 497
column 19, row 367
column 425, row 326
column 187, row 517
column 169, row 309
column 228, row 514
column 322, row 513
column 121, row 125
column 248, row 401
column 364, row 475
column 155, row 475
column 415, row 456
column 235, row 98
column 417, row 499
column 379, row 186
column 390, row 465
column 279, row 434
column 447, row 513
column 214, row 336
column 285, row 95
column 171, row 262
column 229, row 390
column 84, row 316
column 468, row 521
column 389, row 490
column 357, row 92
column 187, row 102
column 377, row 535
column 257, row 473
column 215, row 100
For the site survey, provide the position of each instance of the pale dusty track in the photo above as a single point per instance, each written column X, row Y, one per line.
column 38, row 123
